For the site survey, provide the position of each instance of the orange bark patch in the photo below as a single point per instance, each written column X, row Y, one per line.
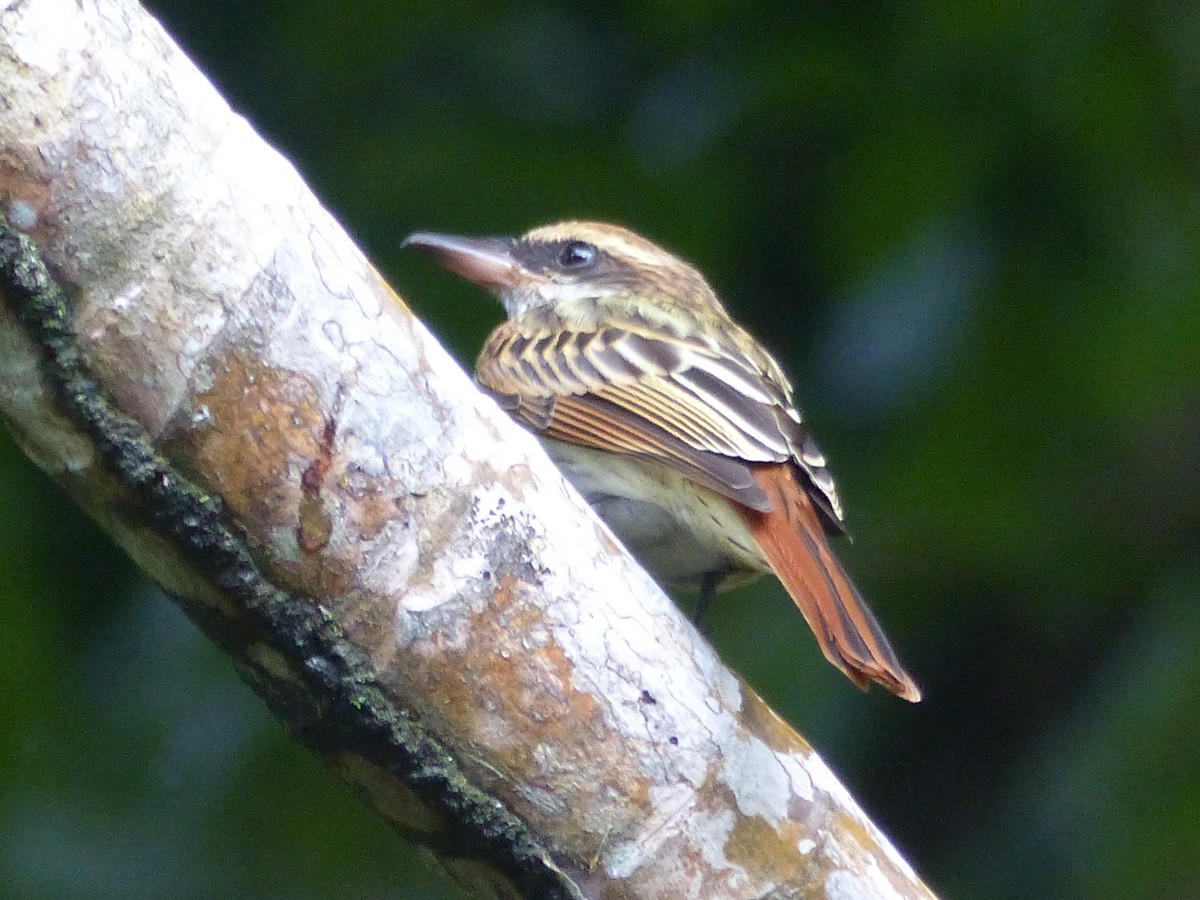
column 757, row 846
column 263, row 440
column 507, row 697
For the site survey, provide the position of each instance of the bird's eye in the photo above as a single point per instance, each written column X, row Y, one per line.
column 576, row 255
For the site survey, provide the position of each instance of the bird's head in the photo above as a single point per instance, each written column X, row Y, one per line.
column 570, row 263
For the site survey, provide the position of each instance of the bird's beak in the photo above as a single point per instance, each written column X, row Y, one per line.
column 489, row 262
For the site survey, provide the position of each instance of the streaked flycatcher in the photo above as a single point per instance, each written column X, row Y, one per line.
column 676, row 425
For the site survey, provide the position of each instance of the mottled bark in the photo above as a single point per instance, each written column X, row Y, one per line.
column 226, row 384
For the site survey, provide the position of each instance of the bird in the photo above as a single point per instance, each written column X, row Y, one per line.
column 673, row 421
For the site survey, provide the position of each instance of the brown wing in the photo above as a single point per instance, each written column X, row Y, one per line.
column 702, row 407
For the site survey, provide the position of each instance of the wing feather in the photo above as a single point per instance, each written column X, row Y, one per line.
column 594, row 421
column 705, row 407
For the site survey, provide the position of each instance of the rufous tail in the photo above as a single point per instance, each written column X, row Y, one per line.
column 794, row 543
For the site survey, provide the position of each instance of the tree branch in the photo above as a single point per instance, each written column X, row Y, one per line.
column 222, row 380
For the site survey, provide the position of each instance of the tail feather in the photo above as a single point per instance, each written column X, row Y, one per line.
column 794, row 543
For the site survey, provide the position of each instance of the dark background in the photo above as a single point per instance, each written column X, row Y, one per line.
column 970, row 232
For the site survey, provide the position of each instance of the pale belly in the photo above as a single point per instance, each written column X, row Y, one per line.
column 678, row 530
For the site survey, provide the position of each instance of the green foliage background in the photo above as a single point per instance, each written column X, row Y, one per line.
column 971, row 232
